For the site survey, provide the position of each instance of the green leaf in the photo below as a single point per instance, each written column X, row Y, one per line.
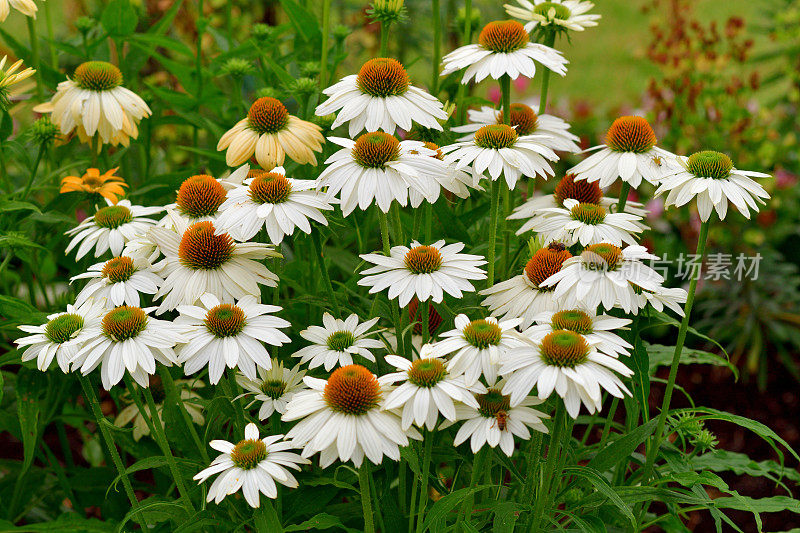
column 6, row 125
column 320, row 521
column 601, row 485
column 282, row 74
column 18, row 240
column 155, row 509
column 505, row 517
column 445, row 505
column 622, row 448
column 304, row 21
column 740, row 464
column 119, row 18
column 15, row 309
column 29, row 384
column 662, row 356
column 7, row 206
column 640, row 363
column 151, row 463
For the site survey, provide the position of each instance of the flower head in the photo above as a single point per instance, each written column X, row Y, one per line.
column 337, row 341
column 119, row 280
column 110, row 228
column 561, row 15
column 273, row 388
column 106, row 185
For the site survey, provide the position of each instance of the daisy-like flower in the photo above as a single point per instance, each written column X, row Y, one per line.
column 585, row 223
column 561, row 14
column 377, row 168
column 106, row 185
column 477, row 346
column 252, row 465
column 504, row 49
column 126, row 338
column 452, row 180
column 428, row 389
column 188, row 397
column 198, row 199
column 271, row 133
column 381, row 97
column 198, row 259
column 119, row 280
column 275, row 202
column 110, row 228
column 26, row 7
column 671, row 298
column 712, row 179
column 337, row 341
column 596, row 329
column 524, row 295
column 344, row 418
column 273, row 388
column 553, row 131
column 223, row 334
column 10, row 77
column 61, row 336
column 564, row 362
column 94, row 102
column 500, row 150
column 605, row 274
column 630, row 153
column 424, row 271
column 496, row 421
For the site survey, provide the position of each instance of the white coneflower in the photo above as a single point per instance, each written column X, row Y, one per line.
column 630, row 153
column 198, row 199
column 498, row 149
column 381, row 97
column 377, row 168
column 110, row 228
column 271, row 133
column 10, row 77
column 712, row 179
column 452, row 180
column 337, row 341
column 190, row 399
column 596, row 329
column 198, row 259
column 273, row 388
column 564, row 362
column 503, row 49
column 275, row 202
column 222, row 334
column 524, row 295
column 564, row 14
column 61, row 336
column 119, row 280
column 553, row 131
column 672, row 298
column 252, row 465
column 94, row 102
column 424, row 271
column 343, row 418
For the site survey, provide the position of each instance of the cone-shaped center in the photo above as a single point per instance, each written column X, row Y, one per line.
column 225, row 320
column 247, row 454
column 602, row 256
column 352, row 390
column 118, row 269
column 423, row 259
column 124, row 322
column 581, row 190
column 592, row 214
column 493, row 402
column 503, row 36
column 267, row 115
column 200, row 196
column 339, row 341
column 426, row 372
column 630, row 134
column 552, row 11
column 375, row 149
column 270, row 188
column 113, row 216
column 63, row 327
column 201, row 249
column 482, row 333
column 382, row 77
column 524, row 119
column 564, row 348
column 546, row 262
column 573, row 320
column 97, row 76
column 273, row 388
column 496, row 136
column 710, row 164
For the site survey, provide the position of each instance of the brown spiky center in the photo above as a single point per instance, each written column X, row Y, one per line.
column 118, row 269
column 482, row 333
column 602, row 256
column 524, row 119
column 113, row 216
column 630, row 134
column 564, row 348
column 97, row 76
column 225, row 320
column 496, row 136
column 270, row 188
column 581, row 190
column 247, row 454
column 63, row 327
column 552, row 10
column 423, row 259
column 124, row 322
column 710, row 164
column 352, row 390
column 340, row 341
column 375, row 149
column 545, row 263
column 572, row 320
column 503, row 36
column 273, row 388
column 426, row 372
column 592, row 214
column 493, row 402
column 267, row 115
column 201, row 249
column 382, row 77
column 200, row 196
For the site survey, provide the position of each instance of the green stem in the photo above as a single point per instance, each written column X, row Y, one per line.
column 553, row 448
column 623, row 196
column 173, row 396
column 384, row 50
column 426, row 466
column 505, row 88
column 465, row 39
column 366, row 496
column 655, row 444
column 610, row 419
column 532, row 480
column 232, row 389
column 39, row 155
column 428, row 221
column 425, row 309
column 549, row 41
column 49, row 20
column 394, row 211
column 478, row 466
column 35, row 55
column 414, row 490
column 324, row 269
column 326, row 32
column 496, row 184
column 437, row 47
column 395, row 309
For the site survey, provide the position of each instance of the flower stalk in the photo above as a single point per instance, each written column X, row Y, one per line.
column 364, row 481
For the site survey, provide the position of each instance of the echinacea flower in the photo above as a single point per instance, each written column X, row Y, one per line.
column 271, row 133
column 119, row 280
column 337, row 341
column 672, row 298
column 630, row 153
column 596, row 329
column 564, row 362
column 381, row 97
column 563, row 14
column 344, row 418
column 454, row 181
column 188, row 397
column 271, row 200
column 94, row 102
column 26, row 7
column 225, row 334
column 61, row 336
column 110, row 228
column 273, row 388
column 712, row 179
column 198, row 199
column 106, row 185
column 10, row 77
column 503, row 49
column 424, row 271
column 252, row 465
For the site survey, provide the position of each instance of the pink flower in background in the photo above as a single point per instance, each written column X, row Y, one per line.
column 521, row 84
column 494, row 94
column 785, row 179
column 655, row 208
column 80, row 214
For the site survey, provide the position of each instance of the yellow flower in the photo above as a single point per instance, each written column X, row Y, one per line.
column 11, row 77
column 107, row 185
